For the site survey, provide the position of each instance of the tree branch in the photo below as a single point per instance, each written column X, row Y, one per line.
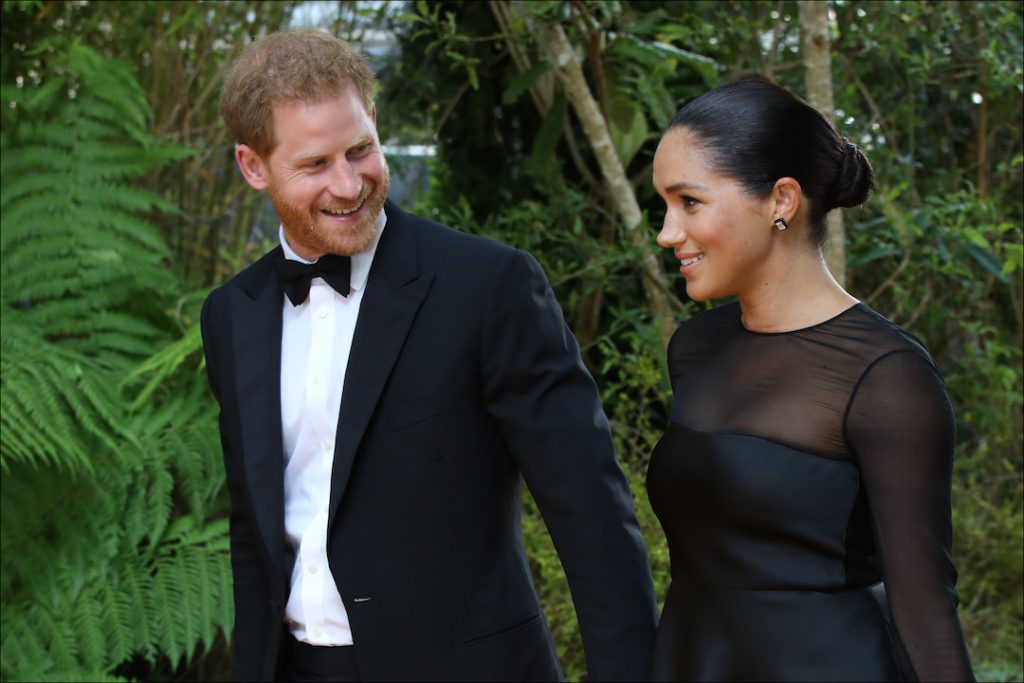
column 570, row 74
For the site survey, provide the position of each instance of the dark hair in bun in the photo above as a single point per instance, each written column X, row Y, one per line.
column 757, row 132
column 854, row 181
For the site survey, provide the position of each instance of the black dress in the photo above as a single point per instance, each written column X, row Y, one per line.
column 799, row 471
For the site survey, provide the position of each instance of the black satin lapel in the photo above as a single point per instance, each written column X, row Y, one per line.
column 385, row 317
column 257, row 347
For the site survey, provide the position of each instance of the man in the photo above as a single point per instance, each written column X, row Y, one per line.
column 374, row 436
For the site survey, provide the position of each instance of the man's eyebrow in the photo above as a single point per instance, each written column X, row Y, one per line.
column 685, row 186
column 308, row 156
column 319, row 154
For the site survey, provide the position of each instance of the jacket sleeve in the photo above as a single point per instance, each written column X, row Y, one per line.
column 254, row 615
column 547, row 405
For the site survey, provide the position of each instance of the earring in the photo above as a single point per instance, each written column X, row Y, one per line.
column 781, row 224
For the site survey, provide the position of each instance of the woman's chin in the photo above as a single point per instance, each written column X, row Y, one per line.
column 698, row 294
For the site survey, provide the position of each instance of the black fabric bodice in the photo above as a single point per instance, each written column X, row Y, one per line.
column 800, row 470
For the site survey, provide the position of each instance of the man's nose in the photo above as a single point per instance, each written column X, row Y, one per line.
column 345, row 182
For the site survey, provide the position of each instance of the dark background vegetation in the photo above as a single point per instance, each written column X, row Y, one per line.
column 121, row 208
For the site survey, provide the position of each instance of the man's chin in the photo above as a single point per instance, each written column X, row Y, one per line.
column 358, row 238
column 354, row 240
column 317, row 234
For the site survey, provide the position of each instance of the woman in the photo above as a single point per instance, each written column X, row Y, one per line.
column 804, row 482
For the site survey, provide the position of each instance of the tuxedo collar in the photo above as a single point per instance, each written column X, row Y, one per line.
column 397, row 256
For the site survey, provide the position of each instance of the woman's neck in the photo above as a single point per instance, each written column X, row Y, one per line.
column 798, row 294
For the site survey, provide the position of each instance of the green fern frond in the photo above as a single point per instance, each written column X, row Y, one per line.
column 135, row 585
column 20, row 441
column 199, row 468
column 160, row 502
column 28, row 215
column 72, row 515
column 21, row 648
column 25, row 184
column 60, row 396
column 58, row 181
column 135, row 520
column 37, row 152
column 137, row 600
column 45, row 251
column 165, row 362
column 40, row 99
column 118, row 624
column 40, row 413
column 87, row 620
column 118, row 321
column 120, row 343
column 169, row 588
column 107, row 552
column 57, row 636
column 122, row 226
column 135, row 199
column 112, row 82
column 193, row 570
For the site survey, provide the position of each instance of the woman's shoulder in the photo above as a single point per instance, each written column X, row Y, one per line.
column 874, row 335
column 709, row 327
column 723, row 316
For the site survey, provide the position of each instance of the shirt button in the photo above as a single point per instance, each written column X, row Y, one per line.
column 317, row 633
column 327, row 508
column 328, row 444
column 316, row 380
column 312, row 569
column 322, row 313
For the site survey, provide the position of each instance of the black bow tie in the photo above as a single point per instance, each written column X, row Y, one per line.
column 296, row 276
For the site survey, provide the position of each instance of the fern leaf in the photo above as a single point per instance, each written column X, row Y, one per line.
column 136, row 587
column 118, row 624
column 105, row 552
column 21, row 650
column 57, row 636
column 87, row 621
column 165, row 362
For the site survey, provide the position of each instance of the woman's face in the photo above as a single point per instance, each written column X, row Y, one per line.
column 720, row 234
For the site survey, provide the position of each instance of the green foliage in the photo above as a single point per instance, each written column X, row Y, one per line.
column 442, row 30
column 113, row 546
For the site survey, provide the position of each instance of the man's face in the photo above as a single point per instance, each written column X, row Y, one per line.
column 327, row 177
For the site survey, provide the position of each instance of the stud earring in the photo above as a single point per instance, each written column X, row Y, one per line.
column 781, row 224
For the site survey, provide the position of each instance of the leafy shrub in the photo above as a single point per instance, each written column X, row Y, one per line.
column 111, row 546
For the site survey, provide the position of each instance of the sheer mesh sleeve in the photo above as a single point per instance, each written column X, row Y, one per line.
column 901, row 429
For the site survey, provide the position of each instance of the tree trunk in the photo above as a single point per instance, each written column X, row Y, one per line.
column 817, row 58
column 570, row 74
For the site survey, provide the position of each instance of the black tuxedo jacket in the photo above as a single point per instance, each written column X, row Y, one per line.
column 462, row 378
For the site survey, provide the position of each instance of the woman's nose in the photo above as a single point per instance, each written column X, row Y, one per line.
column 671, row 234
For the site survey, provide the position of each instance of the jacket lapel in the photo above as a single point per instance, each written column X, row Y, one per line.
column 256, row 320
column 394, row 292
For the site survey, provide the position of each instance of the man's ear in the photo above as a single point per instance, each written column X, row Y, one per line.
column 253, row 168
column 786, row 196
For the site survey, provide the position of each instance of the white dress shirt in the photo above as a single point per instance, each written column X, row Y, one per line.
column 316, row 339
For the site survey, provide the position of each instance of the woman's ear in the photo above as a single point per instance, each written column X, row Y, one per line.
column 252, row 167
column 785, row 199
